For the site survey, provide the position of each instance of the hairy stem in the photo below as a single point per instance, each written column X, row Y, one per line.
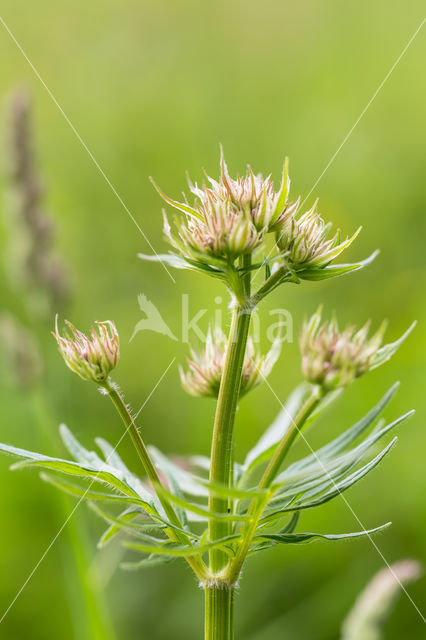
column 221, row 452
column 118, row 401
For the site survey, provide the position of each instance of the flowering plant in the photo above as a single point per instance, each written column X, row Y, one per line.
column 215, row 513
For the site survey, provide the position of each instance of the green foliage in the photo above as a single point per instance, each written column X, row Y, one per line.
column 307, row 483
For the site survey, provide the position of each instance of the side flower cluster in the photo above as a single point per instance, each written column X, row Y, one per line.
column 332, row 358
column 205, row 367
column 304, row 241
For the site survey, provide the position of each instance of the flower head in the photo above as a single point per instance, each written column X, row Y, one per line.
column 229, row 218
column 205, row 368
column 332, row 358
column 304, row 241
column 91, row 358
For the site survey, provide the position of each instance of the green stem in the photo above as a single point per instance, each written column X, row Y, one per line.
column 219, row 613
column 221, row 452
column 270, row 284
column 256, row 509
column 296, row 426
column 118, row 401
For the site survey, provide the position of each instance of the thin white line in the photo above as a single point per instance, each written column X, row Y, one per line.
column 80, row 500
column 347, row 504
column 84, row 145
column 379, row 88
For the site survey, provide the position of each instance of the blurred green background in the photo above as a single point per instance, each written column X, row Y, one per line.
column 152, row 88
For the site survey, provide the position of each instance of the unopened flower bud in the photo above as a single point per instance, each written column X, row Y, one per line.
column 205, row 367
column 333, row 358
column 91, row 358
column 304, row 241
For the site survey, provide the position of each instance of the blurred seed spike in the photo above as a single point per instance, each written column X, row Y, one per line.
column 31, row 263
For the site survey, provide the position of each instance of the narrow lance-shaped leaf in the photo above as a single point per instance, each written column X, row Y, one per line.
column 342, row 441
column 386, row 352
column 105, row 475
column 173, row 549
column 199, row 509
column 298, row 538
column 86, row 493
column 333, row 271
column 340, row 487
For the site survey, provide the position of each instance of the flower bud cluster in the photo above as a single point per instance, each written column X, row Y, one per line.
column 205, row 367
column 229, row 217
column 333, row 358
column 91, row 358
column 304, row 241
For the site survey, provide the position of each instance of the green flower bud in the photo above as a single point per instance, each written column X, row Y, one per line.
column 91, row 358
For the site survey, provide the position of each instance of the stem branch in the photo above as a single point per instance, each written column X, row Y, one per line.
column 118, row 401
column 256, row 509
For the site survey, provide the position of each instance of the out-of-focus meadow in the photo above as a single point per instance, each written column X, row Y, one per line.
column 152, row 88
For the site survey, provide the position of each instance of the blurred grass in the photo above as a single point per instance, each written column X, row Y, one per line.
column 152, row 88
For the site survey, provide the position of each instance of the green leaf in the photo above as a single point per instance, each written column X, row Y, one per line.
column 342, row 441
column 105, row 474
column 233, row 492
column 181, row 206
column 82, row 492
column 333, row 271
column 297, row 538
column 200, row 509
column 187, row 482
column 385, row 353
column 328, row 471
column 125, row 521
column 77, row 450
column 170, row 259
column 349, row 481
column 174, row 549
column 151, row 561
column 173, row 475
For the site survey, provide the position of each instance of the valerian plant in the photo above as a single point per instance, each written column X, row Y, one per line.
column 215, row 513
